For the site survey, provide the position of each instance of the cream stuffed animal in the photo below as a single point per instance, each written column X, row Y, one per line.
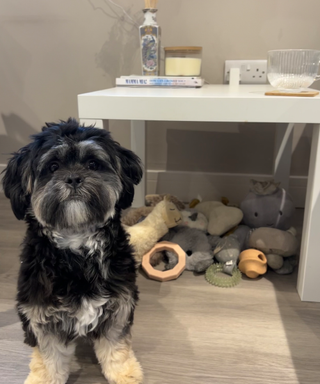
column 221, row 218
column 144, row 235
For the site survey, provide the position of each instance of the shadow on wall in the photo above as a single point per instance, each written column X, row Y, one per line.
column 18, row 134
column 216, row 162
column 118, row 53
column 248, row 151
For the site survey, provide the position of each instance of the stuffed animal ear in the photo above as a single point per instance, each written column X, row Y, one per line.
column 194, row 216
column 253, row 182
column 18, row 181
column 131, row 174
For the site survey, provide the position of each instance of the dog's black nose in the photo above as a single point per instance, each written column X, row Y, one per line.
column 74, row 180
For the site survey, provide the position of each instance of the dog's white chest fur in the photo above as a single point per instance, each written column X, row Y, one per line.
column 84, row 320
column 78, row 241
column 88, row 315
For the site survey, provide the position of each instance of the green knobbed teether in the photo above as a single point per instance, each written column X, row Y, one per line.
column 225, row 281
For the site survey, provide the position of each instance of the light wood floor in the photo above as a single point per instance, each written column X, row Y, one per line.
column 186, row 331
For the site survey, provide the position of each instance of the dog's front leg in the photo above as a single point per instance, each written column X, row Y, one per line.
column 50, row 362
column 118, row 362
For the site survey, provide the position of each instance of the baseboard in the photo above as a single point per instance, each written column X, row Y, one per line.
column 211, row 186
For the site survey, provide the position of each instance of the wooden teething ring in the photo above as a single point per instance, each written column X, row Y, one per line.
column 164, row 275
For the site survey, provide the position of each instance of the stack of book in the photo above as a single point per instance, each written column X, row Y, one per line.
column 159, row 81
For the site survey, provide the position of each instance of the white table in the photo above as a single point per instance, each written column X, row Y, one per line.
column 220, row 103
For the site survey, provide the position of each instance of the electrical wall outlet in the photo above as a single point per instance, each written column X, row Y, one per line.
column 251, row 71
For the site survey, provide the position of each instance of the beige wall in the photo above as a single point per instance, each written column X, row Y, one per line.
column 53, row 50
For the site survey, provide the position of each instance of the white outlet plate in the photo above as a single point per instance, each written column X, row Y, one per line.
column 251, row 71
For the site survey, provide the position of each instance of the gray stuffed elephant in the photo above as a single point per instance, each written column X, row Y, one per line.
column 196, row 245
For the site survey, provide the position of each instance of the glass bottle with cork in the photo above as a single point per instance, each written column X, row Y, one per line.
column 150, row 40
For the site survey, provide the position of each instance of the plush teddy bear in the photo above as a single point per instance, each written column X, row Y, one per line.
column 278, row 246
column 268, row 210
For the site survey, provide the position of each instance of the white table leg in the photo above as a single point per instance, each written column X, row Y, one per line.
column 309, row 266
column 103, row 124
column 138, row 146
column 282, row 158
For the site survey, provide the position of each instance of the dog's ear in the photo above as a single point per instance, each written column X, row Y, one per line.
column 131, row 174
column 18, row 180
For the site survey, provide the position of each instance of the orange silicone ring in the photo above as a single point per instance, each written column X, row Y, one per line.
column 164, row 275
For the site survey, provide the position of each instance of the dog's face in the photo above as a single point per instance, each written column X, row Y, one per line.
column 71, row 177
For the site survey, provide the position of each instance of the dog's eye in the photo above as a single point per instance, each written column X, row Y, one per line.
column 92, row 165
column 53, row 167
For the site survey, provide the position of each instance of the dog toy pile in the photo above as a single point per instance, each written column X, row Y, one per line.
column 216, row 238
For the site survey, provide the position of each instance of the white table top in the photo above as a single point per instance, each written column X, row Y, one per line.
column 248, row 103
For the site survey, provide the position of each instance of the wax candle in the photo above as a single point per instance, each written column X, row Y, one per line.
column 183, row 61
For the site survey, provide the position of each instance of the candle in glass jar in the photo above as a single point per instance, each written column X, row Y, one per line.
column 183, row 61
column 183, row 66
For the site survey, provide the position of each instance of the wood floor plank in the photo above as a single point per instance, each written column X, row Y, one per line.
column 186, row 331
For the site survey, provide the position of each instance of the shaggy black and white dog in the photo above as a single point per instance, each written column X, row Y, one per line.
column 77, row 274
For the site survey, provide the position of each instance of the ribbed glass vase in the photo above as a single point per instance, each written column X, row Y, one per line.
column 293, row 68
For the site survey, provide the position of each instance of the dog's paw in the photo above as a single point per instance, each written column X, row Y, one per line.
column 35, row 379
column 32, row 380
column 128, row 373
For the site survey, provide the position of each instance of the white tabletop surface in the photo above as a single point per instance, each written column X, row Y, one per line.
column 246, row 103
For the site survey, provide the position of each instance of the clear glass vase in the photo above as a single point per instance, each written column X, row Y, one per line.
column 293, row 68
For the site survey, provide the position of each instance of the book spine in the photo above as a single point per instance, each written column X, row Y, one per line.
column 157, row 82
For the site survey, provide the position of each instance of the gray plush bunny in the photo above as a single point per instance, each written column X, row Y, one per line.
column 267, row 205
column 196, row 245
